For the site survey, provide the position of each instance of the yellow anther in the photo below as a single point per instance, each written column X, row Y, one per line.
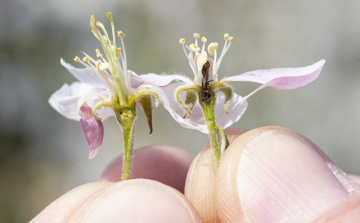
column 76, row 59
column 231, row 39
column 202, row 58
column 98, row 54
column 194, row 48
column 182, row 41
column 118, row 54
column 98, row 63
column 203, row 39
column 106, row 39
column 86, row 59
column 212, row 47
column 196, row 35
column 121, row 34
column 104, row 66
column 226, row 35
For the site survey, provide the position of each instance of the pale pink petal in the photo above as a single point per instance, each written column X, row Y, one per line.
column 280, row 78
column 161, row 80
column 65, row 100
column 93, row 129
column 85, row 75
column 197, row 120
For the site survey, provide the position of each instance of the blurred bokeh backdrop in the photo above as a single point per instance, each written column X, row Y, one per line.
column 43, row 155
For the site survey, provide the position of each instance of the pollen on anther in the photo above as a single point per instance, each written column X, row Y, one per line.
column 98, row 54
column 76, row 59
column 231, row 39
column 194, row 48
column 182, row 41
column 98, row 63
column 203, row 39
column 196, row 35
column 121, row 34
column 104, row 66
column 212, row 47
column 226, row 35
column 86, row 59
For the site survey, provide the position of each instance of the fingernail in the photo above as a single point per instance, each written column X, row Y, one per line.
column 279, row 176
column 137, row 200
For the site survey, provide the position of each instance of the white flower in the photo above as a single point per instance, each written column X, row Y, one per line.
column 228, row 106
column 106, row 88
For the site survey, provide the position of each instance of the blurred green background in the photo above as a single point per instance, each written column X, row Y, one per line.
column 43, row 155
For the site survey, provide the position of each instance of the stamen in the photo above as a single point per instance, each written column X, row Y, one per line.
column 98, row 63
column 86, row 59
column 120, row 34
column 231, row 39
column 202, row 58
column 203, row 39
column 196, row 36
column 115, row 51
column 104, row 66
column 106, row 39
column 76, row 59
column 226, row 35
column 98, row 54
column 182, row 41
column 194, row 48
column 212, row 47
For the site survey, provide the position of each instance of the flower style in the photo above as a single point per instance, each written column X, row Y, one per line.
column 218, row 111
column 107, row 88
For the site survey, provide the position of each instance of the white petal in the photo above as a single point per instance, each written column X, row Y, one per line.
column 85, row 75
column 280, row 78
column 197, row 120
column 65, row 100
column 163, row 80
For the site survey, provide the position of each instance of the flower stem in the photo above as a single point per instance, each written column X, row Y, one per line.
column 209, row 114
column 126, row 118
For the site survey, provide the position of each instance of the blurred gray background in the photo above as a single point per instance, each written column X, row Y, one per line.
column 43, row 155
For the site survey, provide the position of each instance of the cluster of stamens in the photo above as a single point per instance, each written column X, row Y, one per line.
column 198, row 56
column 118, row 80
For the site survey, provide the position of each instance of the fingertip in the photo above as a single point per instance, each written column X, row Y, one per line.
column 138, row 200
column 63, row 208
column 273, row 173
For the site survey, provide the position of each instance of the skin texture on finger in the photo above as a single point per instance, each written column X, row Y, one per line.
column 61, row 210
column 200, row 181
column 273, row 174
column 166, row 164
column 138, row 200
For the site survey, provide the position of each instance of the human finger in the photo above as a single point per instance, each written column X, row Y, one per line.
column 166, row 164
column 64, row 207
column 199, row 187
column 138, row 200
column 273, row 174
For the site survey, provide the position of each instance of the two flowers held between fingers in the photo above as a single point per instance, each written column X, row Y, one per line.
column 106, row 87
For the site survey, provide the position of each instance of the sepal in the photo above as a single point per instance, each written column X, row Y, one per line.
column 146, row 105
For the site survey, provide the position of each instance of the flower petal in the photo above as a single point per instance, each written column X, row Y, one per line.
column 85, row 75
column 163, row 80
column 93, row 129
column 65, row 100
column 280, row 78
column 197, row 120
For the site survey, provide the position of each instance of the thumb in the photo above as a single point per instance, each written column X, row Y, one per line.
column 273, row 174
